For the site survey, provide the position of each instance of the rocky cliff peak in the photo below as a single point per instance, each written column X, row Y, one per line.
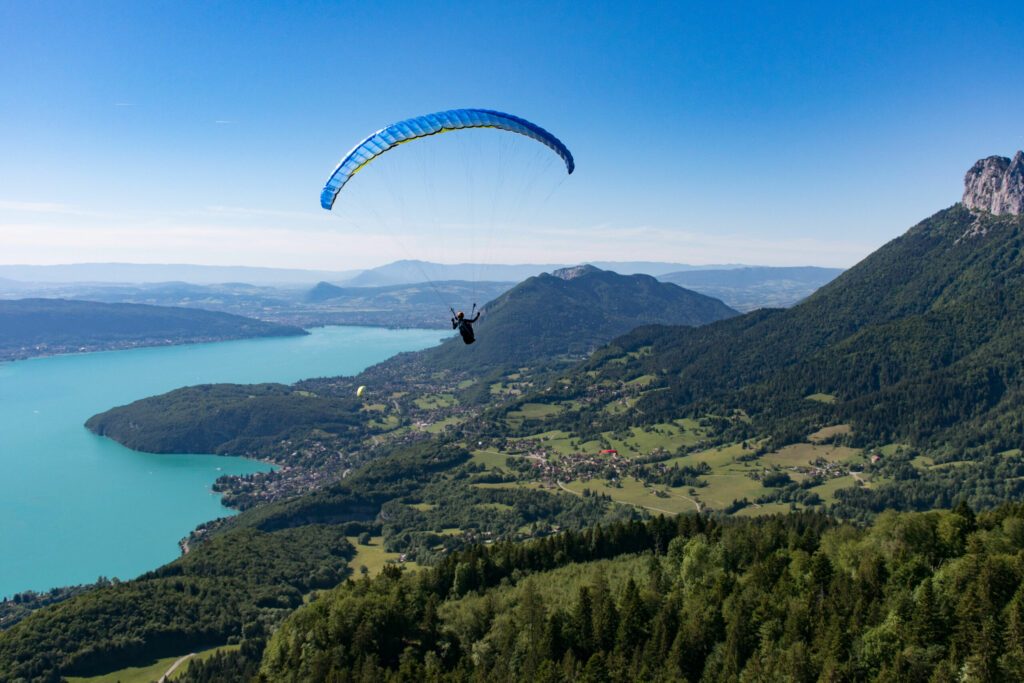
column 996, row 185
column 574, row 272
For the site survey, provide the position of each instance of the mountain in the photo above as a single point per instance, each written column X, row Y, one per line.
column 917, row 347
column 166, row 272
column 751, row 287
column 919, row 343
column 411, row 271
column 570, row 312
column 30, row 327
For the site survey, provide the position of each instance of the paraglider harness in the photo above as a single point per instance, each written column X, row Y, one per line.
column 464, row 325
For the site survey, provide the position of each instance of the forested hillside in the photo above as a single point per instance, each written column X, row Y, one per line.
column 566, row 315
column 915, row 597
column 228, row 419
column 918, row 343
column 31, row 327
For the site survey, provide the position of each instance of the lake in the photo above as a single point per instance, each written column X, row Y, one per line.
column 75, row 506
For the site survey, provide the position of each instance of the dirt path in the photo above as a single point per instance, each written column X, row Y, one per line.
column 178, row 662
column 696, row 503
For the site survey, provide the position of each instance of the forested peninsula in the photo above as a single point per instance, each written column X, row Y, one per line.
column 44, row 327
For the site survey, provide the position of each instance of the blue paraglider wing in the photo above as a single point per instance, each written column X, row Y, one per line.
column 431, row 124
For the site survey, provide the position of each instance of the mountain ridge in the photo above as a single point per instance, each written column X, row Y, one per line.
column 593, row 306
column 30, row 327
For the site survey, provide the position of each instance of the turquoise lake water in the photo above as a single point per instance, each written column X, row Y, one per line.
column 74, row 506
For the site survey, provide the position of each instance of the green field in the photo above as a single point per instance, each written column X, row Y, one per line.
column 388, row 423
column 723, row 489
column 435, row 401
column 802, row 454
column 423, row 507
column 492, row 460
column 441, row 425
column 761, row 509
column 372, row 556
column 826, row 433
column 821, row 398
column 493, row 506
column 535, row 411
column 666, row 436
column 620, row 406
column 505, row 485
column 150, row 672
column 827, row 491
column 717, row 457
column 922, row 462
column 131, row 674
column 633, row 492
column 499, row 389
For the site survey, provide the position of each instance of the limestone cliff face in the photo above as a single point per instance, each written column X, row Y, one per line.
column 573, row 272
column 996, row 185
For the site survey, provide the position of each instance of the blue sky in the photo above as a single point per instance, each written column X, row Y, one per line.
column 776, row 133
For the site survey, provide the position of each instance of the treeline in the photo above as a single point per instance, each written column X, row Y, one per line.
column 984, row 482
column 924, row 597
column 236, row 585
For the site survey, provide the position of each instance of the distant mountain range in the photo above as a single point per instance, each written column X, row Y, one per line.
column 399, row 272
column 135, row 273
column 33, row 327
column 412, row 302
column 751, row 287
column 412, row 271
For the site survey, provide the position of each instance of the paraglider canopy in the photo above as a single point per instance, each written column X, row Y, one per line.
column 360, row 390
column 432, row 124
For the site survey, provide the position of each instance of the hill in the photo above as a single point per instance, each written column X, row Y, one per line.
column 752, row 287
column 32, row 327
column 570, row 312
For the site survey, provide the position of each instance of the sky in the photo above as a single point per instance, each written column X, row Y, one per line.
column 740, row 132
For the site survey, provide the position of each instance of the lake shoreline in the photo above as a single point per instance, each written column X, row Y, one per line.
column 120, row 512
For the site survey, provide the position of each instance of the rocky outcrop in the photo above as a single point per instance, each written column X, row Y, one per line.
column 996, row 185
column 573, row 272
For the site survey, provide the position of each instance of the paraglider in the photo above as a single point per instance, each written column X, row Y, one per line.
column 359, row 391
column 465, row 325
column 410, row 130
column 432, row 124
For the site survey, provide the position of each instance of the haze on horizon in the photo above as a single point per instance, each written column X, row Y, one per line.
column 803, row 135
